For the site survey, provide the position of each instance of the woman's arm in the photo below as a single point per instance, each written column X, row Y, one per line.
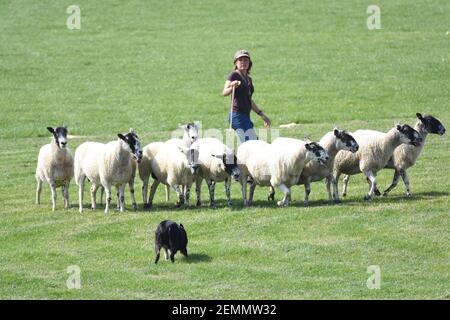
column 229, row 87
column 260, row 113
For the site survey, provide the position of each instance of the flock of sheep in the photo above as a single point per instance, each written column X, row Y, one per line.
column 179, row 163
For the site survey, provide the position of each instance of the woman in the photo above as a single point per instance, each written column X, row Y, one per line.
column 243, row 103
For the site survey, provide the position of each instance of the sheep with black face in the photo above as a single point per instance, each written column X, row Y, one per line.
column 405, row 155
column 374, row 152
column 217, row 163
column 55, row 166
column 107, row 165
column 278, row 164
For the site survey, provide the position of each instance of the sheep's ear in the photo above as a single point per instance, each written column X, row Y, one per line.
column 399, row 127
column 51, row 129
column 181, row 226
column 336, row 132
column 308, row 147
column 183, row 149
column 419, row 116
column 218, row 156
column 121, row 136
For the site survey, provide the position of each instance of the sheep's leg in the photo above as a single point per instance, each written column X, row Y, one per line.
column 167, row 193
column 53, row 188
column 187, row 194
column 227, row 191
column 393, row 184
column 285, row 201
column 373, row 182
column 121, row 189
column 152, row 193
column 145, row 191
column 345, row 185
column 94, row 189
column 118, row 198
column 198, row 189
column 80, row 193
column 102, row 193
column 244, row 189
column 38, row 190
column 271, row 194
column 332, row 179
column 406, row 182
column 211, row 189
column 133, row 198
column 66, row 194
column 376, row 191
column 308, row 190
column 252, row 192
column 180, row 196
column 108, row 197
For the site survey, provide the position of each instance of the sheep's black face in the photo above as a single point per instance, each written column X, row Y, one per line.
column 231, row 166
column 347, row 140
column 60, row 135
column 319, row 153
column 432, row 125
column 410, row 135
column 132, row 140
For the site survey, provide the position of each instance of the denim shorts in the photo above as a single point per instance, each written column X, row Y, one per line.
column 243, row 126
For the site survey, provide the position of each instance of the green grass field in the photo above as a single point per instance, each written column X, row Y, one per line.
column 151, row 65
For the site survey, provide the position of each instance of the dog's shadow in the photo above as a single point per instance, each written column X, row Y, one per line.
column 197, row 258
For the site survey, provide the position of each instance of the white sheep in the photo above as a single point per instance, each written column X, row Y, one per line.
column 190, row 135
column 107, row 165
column 278, row 164
column 405, row 156
column 174, row 166
column 144, row 167
column 217, row 163
column 374, row 152
column 55, row 166
column 332, row 142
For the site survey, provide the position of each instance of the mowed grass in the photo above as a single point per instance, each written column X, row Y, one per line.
column 151, row 65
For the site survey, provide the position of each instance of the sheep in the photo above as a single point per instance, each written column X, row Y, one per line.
column 374, row 152
column 107, row 164
column 144, row 167
column 190, row 135
column 94, row 189
column 405, row 156
column 278, row 164
column 217, row 163
column 332, row 142
column 174, row 165
column 55, row 166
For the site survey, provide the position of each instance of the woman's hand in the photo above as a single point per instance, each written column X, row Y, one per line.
column 266, row 121
column 235, row 83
